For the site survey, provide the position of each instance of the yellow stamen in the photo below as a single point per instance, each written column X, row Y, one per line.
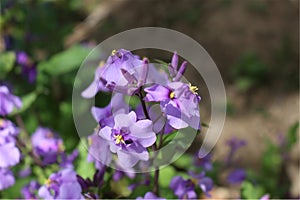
column 1, row 122
column 101, row 63
column 90, row 141
column 172, row 95
column 193, row 89
column 119, row 139
column 113, row 52
column 48, row 182
column 194, row 181
column 61, row 147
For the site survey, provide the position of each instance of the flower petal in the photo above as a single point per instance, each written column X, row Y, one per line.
column 157, row 93
column 105, row 133
column 125, row 120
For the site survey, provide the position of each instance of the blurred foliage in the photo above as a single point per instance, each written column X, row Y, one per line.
column 38, row 28
column 272, row 179
column 249, row 72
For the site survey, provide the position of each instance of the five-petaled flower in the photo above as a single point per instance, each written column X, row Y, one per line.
column 129, row 138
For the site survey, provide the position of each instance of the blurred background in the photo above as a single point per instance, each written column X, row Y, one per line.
column 255, row 44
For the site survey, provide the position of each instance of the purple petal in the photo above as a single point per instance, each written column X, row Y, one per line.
column 70, row 191
column 125, row 120
column 157, row 93
column 181, row 71
column 6, row 179
column 174, row 61
column 105, row 133
column 127, row 159
column 142, row 131
column 9, row 155
column 91, row 91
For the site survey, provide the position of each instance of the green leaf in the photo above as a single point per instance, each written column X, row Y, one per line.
column 166, row 175
column 27, row 101
column 249, row 191
column 84, row 168
column 132, row 101
column 65, row 61
column 7, row 60
column 139, row 191
column 292, row 135
column 243, row 84
column 271, row 160
column 184, row 161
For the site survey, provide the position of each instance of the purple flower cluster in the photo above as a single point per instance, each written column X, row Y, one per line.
column 61, row 185
column 47, row 145
column 9, row 153
column 128, row 134
column 185, row 188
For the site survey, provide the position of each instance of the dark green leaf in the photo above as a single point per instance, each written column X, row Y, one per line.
column 292, row 136
column 7, row 60
column 65, row 61
column 27, row 101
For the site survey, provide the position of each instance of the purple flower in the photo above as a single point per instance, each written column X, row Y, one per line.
column 123, row 72
column 61, row 185
column 8, row 101
column 129, row 138
column 149, row 195
column 135, row 78
column 205, row 183
column 234, row 144
column 204, row 163
column 6, row 178
column 9, row 153
column 183, row 189
column 28, row 67
column 47, row 145
column 179, row 101
column 29, row 191
column 96, row 85
column 7, row 128
column 236, row 176
column 120, row 59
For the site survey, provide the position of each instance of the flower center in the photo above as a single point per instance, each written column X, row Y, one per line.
column 113, row 52
column 61, row 147
column 193, row 88
column 1, row 123
column 48, row 182
column 119, row 139
column 101, row 64
column 172, row 95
